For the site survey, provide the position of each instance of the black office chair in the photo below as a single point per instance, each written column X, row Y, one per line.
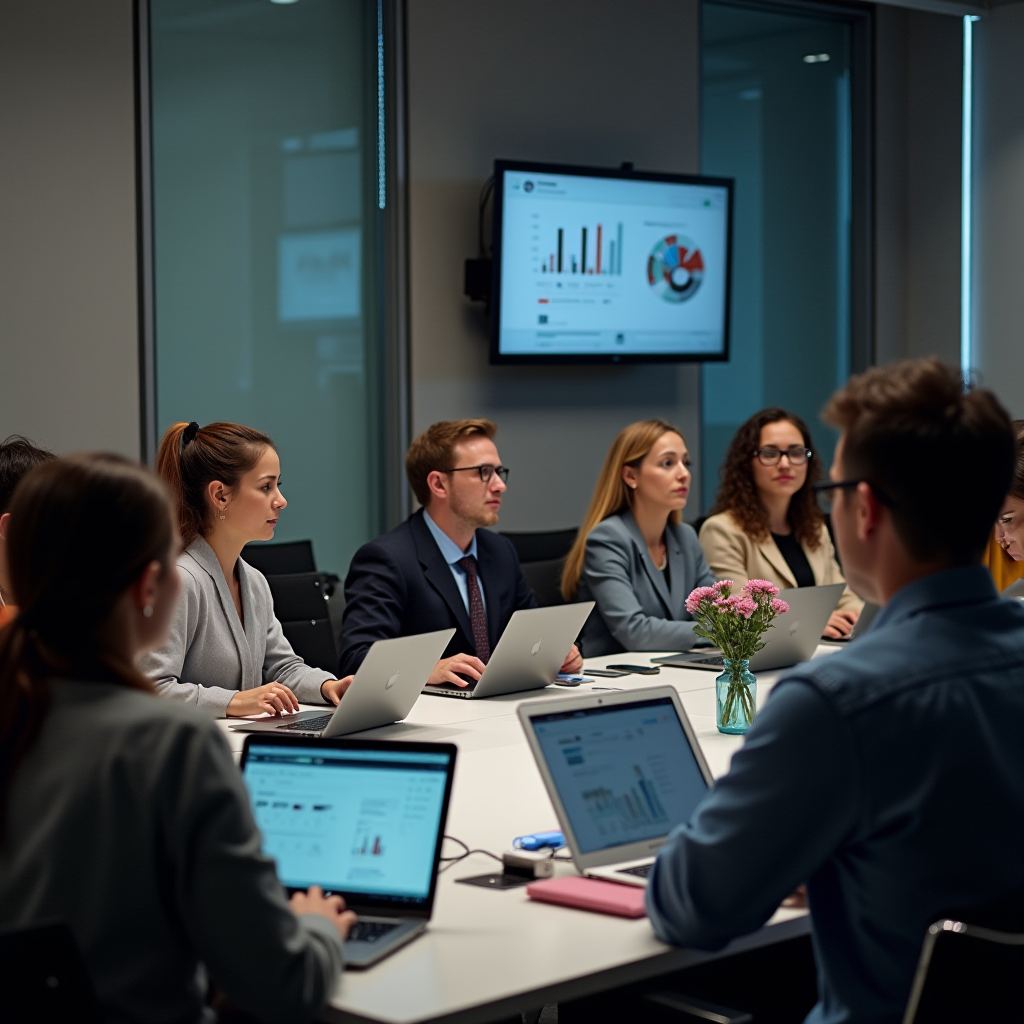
column 43, row 978
column 968, row 974
column 543, row 546
column 280, row 559
column 542, row 556
column 300, row 604
column 698, row 523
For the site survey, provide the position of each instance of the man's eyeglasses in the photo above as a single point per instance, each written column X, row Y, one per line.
column 486, row 472
column 796, row 453
column 827, row 487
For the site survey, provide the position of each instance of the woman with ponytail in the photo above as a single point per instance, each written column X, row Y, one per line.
column 226, row 651
column 633, row 555
column 121, row 814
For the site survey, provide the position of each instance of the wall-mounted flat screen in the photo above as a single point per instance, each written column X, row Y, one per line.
column 609, row 266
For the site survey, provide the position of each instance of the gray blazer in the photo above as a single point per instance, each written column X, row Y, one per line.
column 129, row 820
column 209, row 657
column 635, row 610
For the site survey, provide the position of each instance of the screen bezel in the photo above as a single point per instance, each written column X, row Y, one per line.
column 560, row 358
column 627, row 851
column 359, row 901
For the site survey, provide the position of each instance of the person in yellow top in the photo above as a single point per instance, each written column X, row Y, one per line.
column 1005, row 555
column 1000, row 558
column 766, row 523
column 17, row 456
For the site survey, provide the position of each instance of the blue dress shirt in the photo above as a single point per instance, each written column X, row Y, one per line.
column 451, row 553
column 889, row 777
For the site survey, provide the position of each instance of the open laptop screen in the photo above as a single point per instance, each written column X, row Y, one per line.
column 624, row 772
column 365, row 822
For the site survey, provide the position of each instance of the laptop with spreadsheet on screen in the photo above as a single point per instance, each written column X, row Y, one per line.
column 362, row 819
column 622, row 771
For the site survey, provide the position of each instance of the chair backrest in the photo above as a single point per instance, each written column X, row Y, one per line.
column 300, row 604
column 43, row 977
column 542, row 547
column 545, row 579
column 280, row 559
column 968, row 974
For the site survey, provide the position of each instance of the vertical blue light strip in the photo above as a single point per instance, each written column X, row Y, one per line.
column 381, row 178
column 967, row 132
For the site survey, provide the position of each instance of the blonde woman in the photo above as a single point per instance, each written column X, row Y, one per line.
column 634, row 555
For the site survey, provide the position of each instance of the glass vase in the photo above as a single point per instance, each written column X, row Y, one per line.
column 736, row 697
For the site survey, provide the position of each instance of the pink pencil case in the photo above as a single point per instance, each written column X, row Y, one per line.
column 590, row 894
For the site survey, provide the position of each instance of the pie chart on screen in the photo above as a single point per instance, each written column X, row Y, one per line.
column 675, row 268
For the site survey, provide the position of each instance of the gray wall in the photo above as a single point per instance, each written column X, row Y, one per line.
column 68, row 322
column 999, row 203
column 919, row 61
column 575, row 81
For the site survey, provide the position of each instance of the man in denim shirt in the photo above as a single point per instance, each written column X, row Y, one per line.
column 888, row 777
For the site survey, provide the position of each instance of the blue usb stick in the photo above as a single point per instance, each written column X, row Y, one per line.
column 539, row 841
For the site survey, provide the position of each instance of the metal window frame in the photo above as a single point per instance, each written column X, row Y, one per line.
column 392, row 226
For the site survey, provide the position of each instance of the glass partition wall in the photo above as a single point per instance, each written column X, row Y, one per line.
column 268, row 195
column 779, row 115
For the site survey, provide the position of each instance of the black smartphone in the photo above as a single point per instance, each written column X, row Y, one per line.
column 605, row 673
column 640, row 670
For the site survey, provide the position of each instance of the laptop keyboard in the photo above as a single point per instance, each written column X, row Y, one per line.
column 640, row 870
column 371, row 931
column 711, row 659
column 309, row 724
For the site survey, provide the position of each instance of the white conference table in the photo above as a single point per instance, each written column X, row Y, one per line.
column 487, row 954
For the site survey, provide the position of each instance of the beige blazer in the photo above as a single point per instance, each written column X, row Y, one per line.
column 734, row 555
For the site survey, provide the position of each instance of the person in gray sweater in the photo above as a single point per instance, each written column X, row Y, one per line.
column 121, row 814
column 633, row 555
column 226, row 651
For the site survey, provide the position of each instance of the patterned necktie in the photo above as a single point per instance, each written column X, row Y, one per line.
column 477, row 616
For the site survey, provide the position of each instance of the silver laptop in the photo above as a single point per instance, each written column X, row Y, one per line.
column 622, row 771
column 1015, row 589
column 792, row 637
column 363, row 819
column 384, row 690
column 529, row 654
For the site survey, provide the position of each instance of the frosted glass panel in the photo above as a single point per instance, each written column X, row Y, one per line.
column 775, row 115
column 265, row 254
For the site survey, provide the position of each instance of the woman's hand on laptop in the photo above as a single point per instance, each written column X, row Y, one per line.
column 573, row 661
column 840, row 622
column 332, row 690
column 451, row 670
column 313, row 901
column 271, row 698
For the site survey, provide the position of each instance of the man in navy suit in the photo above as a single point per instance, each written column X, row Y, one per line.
column 439, row 569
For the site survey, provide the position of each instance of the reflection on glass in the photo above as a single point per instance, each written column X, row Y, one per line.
column 265, row 188
column 775, row 115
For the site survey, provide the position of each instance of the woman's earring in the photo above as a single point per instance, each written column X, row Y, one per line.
column 222, row 515
column 148, row 611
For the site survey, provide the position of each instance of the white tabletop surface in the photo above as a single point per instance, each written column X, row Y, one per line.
column 487, row 955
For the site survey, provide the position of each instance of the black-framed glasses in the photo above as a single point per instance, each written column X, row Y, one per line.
column 485, row 471
column 771, row 456
column 827, row 487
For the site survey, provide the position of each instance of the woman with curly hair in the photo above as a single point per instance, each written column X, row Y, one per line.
column 766, row 523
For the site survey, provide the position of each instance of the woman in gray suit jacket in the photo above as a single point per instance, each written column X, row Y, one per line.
column 633, row 555
column 226, row 650
column 124, row 815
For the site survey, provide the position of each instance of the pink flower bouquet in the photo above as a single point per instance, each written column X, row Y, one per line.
column 735, row 624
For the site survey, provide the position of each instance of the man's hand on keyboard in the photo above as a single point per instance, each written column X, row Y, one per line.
column 313, row 901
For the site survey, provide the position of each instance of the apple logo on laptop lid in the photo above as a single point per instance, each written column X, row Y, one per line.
column 537, row 646
column 391, row 682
